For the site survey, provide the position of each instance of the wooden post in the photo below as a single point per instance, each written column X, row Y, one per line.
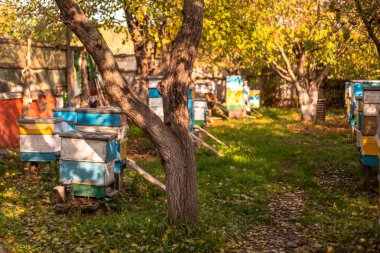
column 70, row 82
column 28, row 79
column 146, row 175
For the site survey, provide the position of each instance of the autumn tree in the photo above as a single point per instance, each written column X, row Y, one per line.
column 171, row 137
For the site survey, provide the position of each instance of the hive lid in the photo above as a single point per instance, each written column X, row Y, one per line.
column 39, row 120
column 105, row 109
column 365, row 81
column 371, row 88
column 70, row 109
column 99, row 136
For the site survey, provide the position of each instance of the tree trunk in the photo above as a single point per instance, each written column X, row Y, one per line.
column 308, row 104
column 140, row 86
column 83, row 67
column 70, row 82
column 171, row 139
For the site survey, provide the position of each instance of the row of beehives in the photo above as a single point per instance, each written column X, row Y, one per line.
column 363, row 103
column 90, row 144
column 197, row 106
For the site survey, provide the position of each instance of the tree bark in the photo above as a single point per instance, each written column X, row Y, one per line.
column 70, row 82
column 171, row 139
column 83, row 67
column 308, row 104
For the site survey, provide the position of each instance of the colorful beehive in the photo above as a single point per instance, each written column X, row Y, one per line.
column 106, row 120
column 200, row 111
column 235, row 96
column 39, row 138
column 67, row 114
column 359, row 113
column 88, row 160
column 254, row 98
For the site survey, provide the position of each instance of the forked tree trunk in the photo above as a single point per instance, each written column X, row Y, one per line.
column 171, row 139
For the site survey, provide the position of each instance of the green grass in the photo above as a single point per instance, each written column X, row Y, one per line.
column 265, row 156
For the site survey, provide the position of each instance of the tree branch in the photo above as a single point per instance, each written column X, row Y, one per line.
column 286, row 60
column 280, row 71
column 368, row 26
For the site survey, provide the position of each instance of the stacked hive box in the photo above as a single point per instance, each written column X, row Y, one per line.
column 156, row 103
column 200, row 111
column 88, row 161
column 155, row 99
column 67, row 114
column 356, row 90
column 367, row 111
column 39, row 139
column 107, row 120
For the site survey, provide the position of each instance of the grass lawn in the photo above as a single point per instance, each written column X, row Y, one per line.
column 281, row 185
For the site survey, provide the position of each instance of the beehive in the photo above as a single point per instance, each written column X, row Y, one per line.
column 106, row 120
column 88, row 159
column 155, row 99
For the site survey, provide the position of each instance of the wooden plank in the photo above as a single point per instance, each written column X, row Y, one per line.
column 92, row 173
column 371, row 109
column 210, row 135
column 120, row 131
column 205, row 144
column 146, row 175
column 101, row 119
column 122, row 148
column 88, row 150
column 40, row 143
column 371, row 96
column 38, row 157
column 41, row 128
column 369, row 125
column 59, row 193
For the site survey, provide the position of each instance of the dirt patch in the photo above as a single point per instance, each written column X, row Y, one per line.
column 333, row 179
column 286, row 235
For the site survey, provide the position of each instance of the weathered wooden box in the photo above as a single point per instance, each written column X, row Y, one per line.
column 99, row 174
column 88, row 147
column 101, row 116
column 67, row 114
column 41, row 126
